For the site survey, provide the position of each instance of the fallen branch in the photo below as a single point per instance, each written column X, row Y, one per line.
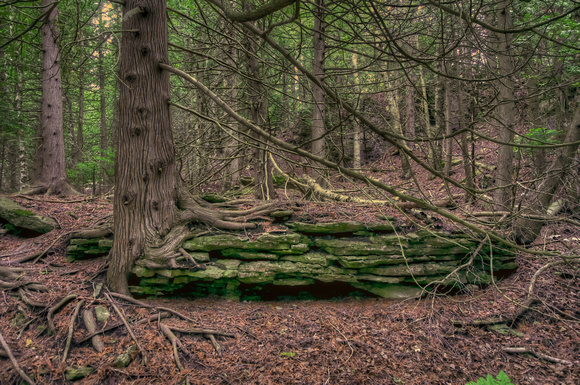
column 14, row 362
column 540, row 355
column 317, row 189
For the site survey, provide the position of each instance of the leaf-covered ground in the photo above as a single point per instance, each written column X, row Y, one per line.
column 339, row 341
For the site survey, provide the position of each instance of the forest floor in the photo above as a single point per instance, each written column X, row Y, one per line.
column 337, row 341
column 343, row 340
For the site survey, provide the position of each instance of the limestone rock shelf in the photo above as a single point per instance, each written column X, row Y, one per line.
column 376, row 258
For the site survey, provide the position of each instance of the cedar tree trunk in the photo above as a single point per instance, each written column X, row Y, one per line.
column 144, row 207
column 318, row 67
column 51, row 173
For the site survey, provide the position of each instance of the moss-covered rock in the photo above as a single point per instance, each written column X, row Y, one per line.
column 340, row 227
column 72, row 374
column 21, row 218
column 344, row 247
column 313, row 258
column 392, row 265
column 284, row 243
column 430, row 268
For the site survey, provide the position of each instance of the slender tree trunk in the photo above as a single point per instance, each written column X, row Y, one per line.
column 506, row 110
column 526, row 229
column 393, row 101
column 318, row 68
column 535, row 121
column 467, row 161
column 439, row 114
column 104, row 139
column 448, row 127
column 21, row 168
column 78, row 155
column 51, row 159
column 410, row 108
column 146, row 188
column 259, row 115
column 232, row 177
column 103, row 134
column 356, row 163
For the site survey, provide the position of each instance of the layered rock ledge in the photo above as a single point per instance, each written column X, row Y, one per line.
column 381, row 259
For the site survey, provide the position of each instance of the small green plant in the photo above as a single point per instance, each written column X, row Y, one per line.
column 536, row 137
column 501, row 379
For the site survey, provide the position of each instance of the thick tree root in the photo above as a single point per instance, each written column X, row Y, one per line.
column 141, row 350
column 173, row 339
column 91, row 326
column 9, row 280
column 152, row 317
column 71, row 328
column 55, row 308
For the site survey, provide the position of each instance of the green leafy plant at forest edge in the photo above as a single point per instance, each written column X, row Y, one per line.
column 537, row 137
column 501, row 379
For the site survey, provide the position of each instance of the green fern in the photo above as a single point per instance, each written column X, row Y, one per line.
column 501, row 379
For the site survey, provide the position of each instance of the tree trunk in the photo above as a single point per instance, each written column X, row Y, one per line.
column 356, row 159
column 103, row 134
column 78, row 154
column 393, row 101
column 52, row 172
column 144, row 206
column 232, row 146
column 22, row 166
column 410, row 107
column 506, row 111
column 527, row 230
column 318, row 68
column 467, row 160
column 448, row 127
column 259, row 115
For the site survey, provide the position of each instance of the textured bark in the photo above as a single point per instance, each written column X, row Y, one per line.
column 232, row 176
column 410, row 107
column 467, row 160
column 393, row 101
column 104, row 140
column 144, row 205
column 448, row 127
column 506, row 111
column 52, row 171
column 318, row 95
column 78, row 154
column 356, row 148
column 259, row 114
column 21, row 170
